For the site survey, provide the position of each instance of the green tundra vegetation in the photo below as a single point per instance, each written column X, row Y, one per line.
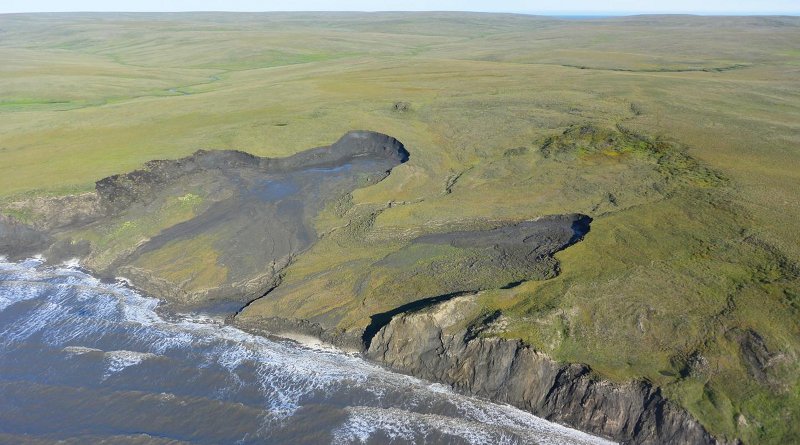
column 678, row 135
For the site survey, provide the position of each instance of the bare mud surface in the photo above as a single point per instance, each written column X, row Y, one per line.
column 255, row 215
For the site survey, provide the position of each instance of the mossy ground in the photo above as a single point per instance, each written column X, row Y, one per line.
column 687, row 161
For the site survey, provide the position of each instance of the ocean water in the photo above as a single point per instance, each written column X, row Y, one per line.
column 87, row 361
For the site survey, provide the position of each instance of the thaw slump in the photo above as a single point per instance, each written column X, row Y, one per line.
column 85, row 358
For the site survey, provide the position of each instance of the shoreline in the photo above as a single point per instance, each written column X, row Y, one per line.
column 510, row 372
column 39, row 265
column 421, row 344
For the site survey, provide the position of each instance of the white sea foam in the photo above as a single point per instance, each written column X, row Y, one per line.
column 364, row 422
column 72, row 263
column 395, row 424
column 46, row 313
column 80, row 350
column 76, row 313
column 19, row 291
column 119, row 360
column 123, row 281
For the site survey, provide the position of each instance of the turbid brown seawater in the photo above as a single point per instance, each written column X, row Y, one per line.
column 84, row 360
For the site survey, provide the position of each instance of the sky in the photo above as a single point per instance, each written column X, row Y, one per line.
column 550, row 7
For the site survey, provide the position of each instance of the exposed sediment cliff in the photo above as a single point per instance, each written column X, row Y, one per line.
column 431, row 344
column 439, row 343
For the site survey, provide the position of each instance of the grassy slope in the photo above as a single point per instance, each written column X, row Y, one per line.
column 660, row 289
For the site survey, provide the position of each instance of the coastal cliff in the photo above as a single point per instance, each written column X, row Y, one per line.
column 441, row 343
column 430, row 344
column 223, row 228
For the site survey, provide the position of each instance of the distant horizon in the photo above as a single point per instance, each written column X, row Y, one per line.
column 588, row 14
column 565, row 8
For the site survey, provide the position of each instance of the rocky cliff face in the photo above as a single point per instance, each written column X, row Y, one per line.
column 433, row 344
